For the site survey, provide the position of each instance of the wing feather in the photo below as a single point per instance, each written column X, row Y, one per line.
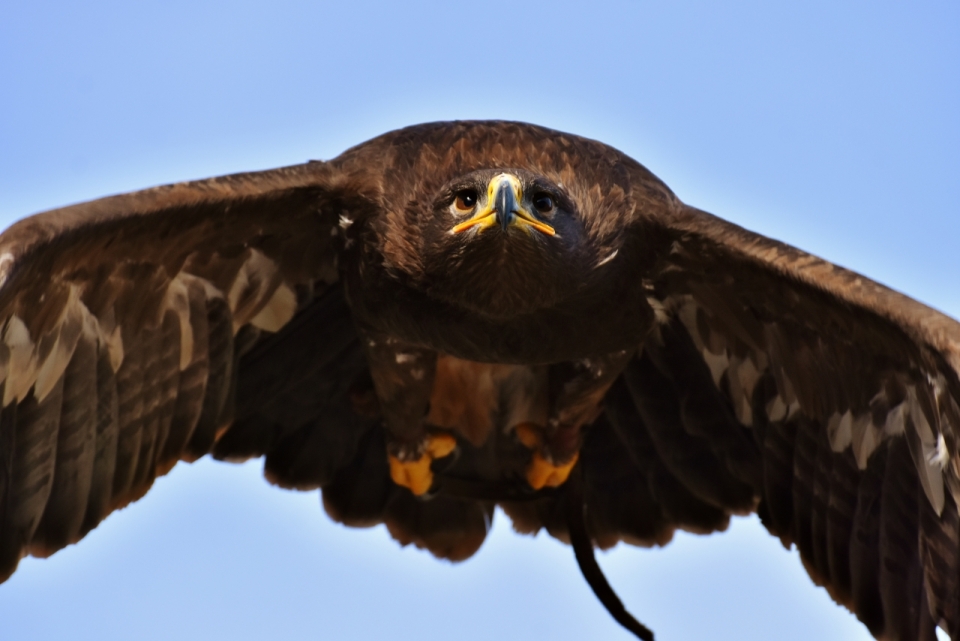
column 105, row 450
column 865, row 546
column 851, row 391
column 31, row 477
column 130, row 412
column 677, row 503
column 192, row 382
column 687, row 456
column 900, row 574
column 940, row 560
column 117, row 325
column 220, row 362
column 76, row 449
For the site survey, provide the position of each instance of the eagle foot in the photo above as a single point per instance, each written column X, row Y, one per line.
column 414, row 472
column 543, row 471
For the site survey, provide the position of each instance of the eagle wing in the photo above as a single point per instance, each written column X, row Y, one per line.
column 122, row 321
column 142, row 329
column 777, row 381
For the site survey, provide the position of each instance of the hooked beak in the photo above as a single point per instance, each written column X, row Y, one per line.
column 503, row 205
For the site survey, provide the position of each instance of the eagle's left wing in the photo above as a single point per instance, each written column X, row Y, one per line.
column 832, row 401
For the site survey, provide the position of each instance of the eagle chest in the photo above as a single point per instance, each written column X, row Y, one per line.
column 473, row 399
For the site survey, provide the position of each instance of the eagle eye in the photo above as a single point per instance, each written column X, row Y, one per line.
column 466, row 200
column 543, row 202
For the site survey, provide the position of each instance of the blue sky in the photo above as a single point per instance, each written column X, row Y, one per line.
column 832, row 126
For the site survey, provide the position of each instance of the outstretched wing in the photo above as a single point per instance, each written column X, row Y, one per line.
column 834, row 399
column 777, row 382
column 121, row 324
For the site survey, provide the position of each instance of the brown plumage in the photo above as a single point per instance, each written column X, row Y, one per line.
column 328, row 314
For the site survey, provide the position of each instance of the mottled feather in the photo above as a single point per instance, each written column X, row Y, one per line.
column 267, row 314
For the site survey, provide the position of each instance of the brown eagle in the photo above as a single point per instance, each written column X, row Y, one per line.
column 456, row 316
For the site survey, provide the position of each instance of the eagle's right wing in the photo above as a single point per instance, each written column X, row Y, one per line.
column 121, row 324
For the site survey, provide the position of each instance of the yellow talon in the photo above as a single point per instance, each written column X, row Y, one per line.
column 416, row 475
column 440, row 445
column 541, row 472
column 529, row 435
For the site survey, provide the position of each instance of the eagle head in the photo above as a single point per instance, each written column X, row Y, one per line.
column 503, row 243
column 504, row 220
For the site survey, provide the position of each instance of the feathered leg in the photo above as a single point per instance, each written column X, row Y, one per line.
column 403, row 380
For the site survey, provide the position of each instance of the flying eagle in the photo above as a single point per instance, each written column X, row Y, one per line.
column 456, row 316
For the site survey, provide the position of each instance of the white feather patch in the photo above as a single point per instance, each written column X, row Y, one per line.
column 717, row 363
column 840, row 430
column 743, row 410
column 785, row 389
column 608, row 258
column 793, row 409
column 932, row 449
column 660, row 315
column 111, row 338
column 743, row 376
column 4, row 362
column 6, row 263
column 687, row 313
column 68, row 332
column 240, row 284
column 776, row 409
column 748, row 374
column 22, row 364
column 931, row 479
column 178, row 300
column 278, row 311
column 90, row 327
column 209, row 291
column 52, row 367
column 895, row 424
column 114, row 343
column 250, row 285
column 940, row 456
column 865, row 438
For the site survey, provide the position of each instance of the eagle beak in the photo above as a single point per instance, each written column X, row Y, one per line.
column 504, row 197
column 505, row 204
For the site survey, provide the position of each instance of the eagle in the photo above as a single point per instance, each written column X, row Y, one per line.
column 458, row 316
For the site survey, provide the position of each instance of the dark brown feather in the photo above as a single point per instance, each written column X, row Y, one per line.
column 105, row 451
column 130, row 412
column 900, row 580
column 220, row 364
column 76, row 449
column 687, row 457
column 192, row 382
column 31, row 477
column 677, row 503
column 841, row 509
column 766, row 378
column 865, row 546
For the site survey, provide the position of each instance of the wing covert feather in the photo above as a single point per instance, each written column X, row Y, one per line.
column 117, row 324
column 851, row 391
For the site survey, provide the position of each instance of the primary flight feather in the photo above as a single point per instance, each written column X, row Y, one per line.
column 456, row 316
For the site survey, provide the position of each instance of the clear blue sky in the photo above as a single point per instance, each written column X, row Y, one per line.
column 832, row 126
